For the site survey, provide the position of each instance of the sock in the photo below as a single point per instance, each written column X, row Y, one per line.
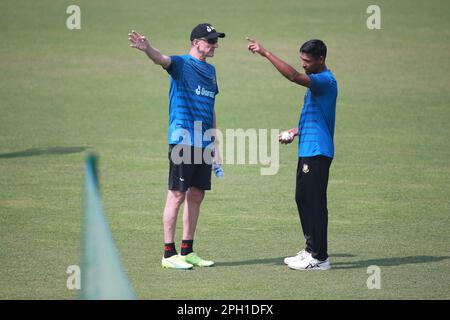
column 186, row 247
column 169, row 250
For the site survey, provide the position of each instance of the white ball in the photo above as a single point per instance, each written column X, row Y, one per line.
column 286, row 135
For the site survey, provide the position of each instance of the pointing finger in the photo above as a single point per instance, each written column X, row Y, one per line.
column 249, row 39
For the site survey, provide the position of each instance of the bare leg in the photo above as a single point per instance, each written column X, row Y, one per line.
column 194, row 198
column 173, row 203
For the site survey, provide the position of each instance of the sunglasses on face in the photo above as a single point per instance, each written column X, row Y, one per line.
column 210, row 41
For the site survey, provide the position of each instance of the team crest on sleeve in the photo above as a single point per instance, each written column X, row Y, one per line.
column 305, row 168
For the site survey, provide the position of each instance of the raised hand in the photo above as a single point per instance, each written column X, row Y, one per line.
column 138, row 41
column 255, row 47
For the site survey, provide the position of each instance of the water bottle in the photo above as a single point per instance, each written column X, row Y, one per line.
column 218, row 171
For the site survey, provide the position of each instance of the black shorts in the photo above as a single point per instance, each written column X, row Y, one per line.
column 193, row 173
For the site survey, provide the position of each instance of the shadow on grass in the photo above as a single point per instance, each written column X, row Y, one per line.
column 273, row 261
column 42, row 151
column 387, row 262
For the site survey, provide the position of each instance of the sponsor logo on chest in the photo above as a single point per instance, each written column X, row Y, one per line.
column 200, row 91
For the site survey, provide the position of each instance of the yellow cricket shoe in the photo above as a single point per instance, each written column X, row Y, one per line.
column 196, row 261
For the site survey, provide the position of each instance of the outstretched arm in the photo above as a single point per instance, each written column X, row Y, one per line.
column 285, row 69
column 141, row 43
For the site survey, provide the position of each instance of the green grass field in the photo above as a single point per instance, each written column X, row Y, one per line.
column 63, row 92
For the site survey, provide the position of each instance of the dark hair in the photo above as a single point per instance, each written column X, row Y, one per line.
column 314, row 47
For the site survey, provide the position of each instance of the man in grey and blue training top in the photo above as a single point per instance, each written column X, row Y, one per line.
column 315, row 149
column 193, row 88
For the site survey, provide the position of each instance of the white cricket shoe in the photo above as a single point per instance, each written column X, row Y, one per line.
column 175, row 262
column 300, row 256
column 310, row 263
